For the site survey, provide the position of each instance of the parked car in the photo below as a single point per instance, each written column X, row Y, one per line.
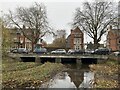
column 117, row 53
column 102, row 51
column 79, row 52
column 59, row 51
column 40, row 50
column 89, row 51
column 13, row 50
column 19, row 50
column 22, row 50
column 72, row 51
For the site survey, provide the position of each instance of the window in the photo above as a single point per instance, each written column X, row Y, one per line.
column 118, row 41
column 77, row 35
column 77, row 47
column 75, row 40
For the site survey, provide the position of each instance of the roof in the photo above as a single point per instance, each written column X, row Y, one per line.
column 77, row 29
column 115, row 31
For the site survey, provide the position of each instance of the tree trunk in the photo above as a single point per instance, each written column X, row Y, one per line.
column 32, row 46
column 95, row 43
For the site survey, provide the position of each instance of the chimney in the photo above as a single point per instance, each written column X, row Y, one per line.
column 77, row 27
column 71, row 30
column 110, row 27
column 23, row 26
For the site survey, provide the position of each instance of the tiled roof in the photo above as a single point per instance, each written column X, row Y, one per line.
column 116, row 31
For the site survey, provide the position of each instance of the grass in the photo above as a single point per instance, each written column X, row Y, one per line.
column 20, row 75
column 106, row 75
column 17, row 66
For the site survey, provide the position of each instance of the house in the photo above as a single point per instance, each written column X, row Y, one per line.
column 23, row 41
column 75, row 40
column 20, row 41
column 14, row 36
column 113, row 39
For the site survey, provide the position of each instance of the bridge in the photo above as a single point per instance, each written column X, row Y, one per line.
column 59, row 57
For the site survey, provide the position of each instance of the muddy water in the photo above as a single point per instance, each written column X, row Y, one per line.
column 76, row 76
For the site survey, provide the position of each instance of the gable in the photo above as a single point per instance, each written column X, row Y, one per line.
column 77, row 30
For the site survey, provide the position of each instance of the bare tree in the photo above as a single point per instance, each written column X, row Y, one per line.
column 34, row 21
column 60, row 34
column 94, row 19
column 59, row 42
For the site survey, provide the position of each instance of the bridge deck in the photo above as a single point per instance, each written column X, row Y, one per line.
column 59, row 56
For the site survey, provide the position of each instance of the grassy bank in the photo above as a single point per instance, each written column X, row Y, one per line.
column 27, row 74
column 106, row 75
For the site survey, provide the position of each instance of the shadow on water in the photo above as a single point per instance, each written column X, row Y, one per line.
column 76, row 76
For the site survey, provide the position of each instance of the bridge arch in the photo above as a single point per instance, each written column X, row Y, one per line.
column 89, row 60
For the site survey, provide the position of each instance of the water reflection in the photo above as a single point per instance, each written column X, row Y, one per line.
column 74, row 77
column 64, row 81
column 88, row 80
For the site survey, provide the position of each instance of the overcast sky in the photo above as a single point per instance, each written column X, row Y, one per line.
column 60, row 12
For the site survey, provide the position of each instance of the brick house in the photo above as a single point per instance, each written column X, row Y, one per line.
column 20, row 41
column 113, row 39
column 23, row 41
column 14, row 36
column 75, row 40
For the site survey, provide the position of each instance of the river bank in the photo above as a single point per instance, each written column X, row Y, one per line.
column 17, row 74
column 106, row 75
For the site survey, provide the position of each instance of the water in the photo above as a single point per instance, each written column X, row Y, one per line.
column 76, row 76
column 88, row 80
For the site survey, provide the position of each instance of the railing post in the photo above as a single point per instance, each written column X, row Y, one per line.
column 58, row 60
column 37, row 59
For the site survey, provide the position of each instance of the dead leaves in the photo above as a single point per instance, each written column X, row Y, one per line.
column 106, row 75
column 22, row 74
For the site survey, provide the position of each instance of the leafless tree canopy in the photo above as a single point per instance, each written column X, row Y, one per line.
column 32, row 21
column 94, row 19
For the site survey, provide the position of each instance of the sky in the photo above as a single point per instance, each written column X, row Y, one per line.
column 60, row 13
